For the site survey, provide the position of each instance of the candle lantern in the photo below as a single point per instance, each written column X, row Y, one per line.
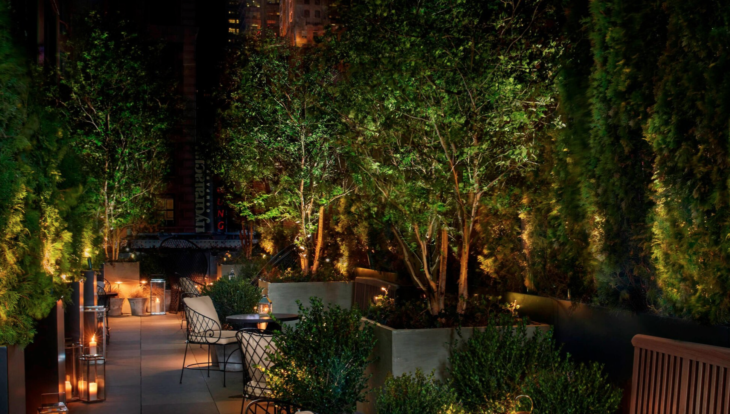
column 92, row 381
column 265, row 306
column 74, row 350
column 94, row 330
column 157, row 296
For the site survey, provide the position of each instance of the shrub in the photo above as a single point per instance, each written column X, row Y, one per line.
column 320, row 364
column 417, row 394
column 570, row 388
column 489, row 369
column 233, row 297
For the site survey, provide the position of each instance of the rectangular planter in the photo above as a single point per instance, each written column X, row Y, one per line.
column 12, row 379
column 284, row 296
column 400, row 351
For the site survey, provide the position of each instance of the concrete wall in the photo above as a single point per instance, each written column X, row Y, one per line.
column 400, row 351
column 284, row 296
column 128, row 274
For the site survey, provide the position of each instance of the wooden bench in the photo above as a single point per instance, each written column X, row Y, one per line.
column 675, row 377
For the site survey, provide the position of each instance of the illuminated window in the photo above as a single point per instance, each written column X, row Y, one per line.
column 166, row 207
column 233, row 21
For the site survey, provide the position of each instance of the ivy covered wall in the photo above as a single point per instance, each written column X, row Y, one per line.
column 44, row 198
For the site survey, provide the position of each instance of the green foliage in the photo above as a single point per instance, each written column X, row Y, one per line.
column 326, row 273
column 42, row 205
column 571, row 388
column 233, row 297
column 320, row 364
column 416, row 394
column 120, row 107
column 489, row 368
column 280, row 139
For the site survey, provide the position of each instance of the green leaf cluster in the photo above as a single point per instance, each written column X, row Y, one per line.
column 233, row 296
column 320, row 364
column 417, row 394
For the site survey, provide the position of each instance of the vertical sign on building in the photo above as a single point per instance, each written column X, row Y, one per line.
column 202, row 195
column 221, row 224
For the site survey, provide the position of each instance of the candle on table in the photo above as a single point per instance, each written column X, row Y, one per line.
column 157, row 305
column 82, row 388
column 92, row 391
column 92, row 345
column 69, row 389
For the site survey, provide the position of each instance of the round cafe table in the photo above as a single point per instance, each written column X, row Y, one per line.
column 251, row 320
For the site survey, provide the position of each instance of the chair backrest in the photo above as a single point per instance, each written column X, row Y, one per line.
column 675, row 377
column 256, row 347
column 271, row 406
column 204, row 306
column 189, row 287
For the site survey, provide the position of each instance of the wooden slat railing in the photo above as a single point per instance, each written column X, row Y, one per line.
column 674, row 377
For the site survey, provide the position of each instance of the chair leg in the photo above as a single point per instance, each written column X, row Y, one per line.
column 184, row 356
column 208, row 361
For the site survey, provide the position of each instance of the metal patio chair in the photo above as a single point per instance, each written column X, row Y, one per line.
column 256, row 345
column 204, row 329
column 272, row 406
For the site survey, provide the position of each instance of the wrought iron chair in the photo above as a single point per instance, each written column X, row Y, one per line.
column 256, row 346
column 190, row 289
column 271, row 406
column 204, row 328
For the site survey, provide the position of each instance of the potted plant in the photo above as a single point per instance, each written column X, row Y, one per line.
column 320, row 363
column 138, row 302
column 289, row 287
column 115, row 306
column 232, row 297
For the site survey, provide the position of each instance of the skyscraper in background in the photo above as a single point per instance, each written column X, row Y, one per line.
column 301, row 20
column 252, row 17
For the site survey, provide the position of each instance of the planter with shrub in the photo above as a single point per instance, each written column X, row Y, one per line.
column 417, row 394
column 320, row 364
column 138, row 301
column 286, row 288
column 115, row 306
column 409, row 339
column 232, row 297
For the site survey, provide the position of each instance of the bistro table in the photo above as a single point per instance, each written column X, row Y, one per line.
column 251, row 320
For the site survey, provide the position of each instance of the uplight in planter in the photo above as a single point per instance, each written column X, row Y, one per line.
column 92, row 381
column 157, row 296
column 74, row 351
column 95, row 330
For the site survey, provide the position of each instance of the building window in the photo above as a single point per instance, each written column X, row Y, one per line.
column 317, row 14
column 166, row 207
column 306, row 13
column 316, row 2
column 306, row 1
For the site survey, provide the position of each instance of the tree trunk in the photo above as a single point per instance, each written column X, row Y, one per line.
column 249, row 240
column 320, row 240
column 304, row 254
column 464, row 269
column 442, row 266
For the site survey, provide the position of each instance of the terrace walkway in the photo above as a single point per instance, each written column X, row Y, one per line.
column 143, row 373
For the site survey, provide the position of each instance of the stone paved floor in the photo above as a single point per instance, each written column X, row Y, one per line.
column 143, row 373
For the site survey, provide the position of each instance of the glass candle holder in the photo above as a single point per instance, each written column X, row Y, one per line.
column 157, row 296
column 92, row 381
column 74, row 350
column 94, row 338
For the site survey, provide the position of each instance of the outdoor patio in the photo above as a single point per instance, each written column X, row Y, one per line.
column 144, row 361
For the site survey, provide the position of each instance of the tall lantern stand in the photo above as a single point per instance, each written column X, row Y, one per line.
column 92, row 382
column 95, row 330
column 74, row 350
column 157, row 296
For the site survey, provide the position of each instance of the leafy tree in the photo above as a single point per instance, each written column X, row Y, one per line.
column 280, row 140
column 120, row 107
column 448, row 98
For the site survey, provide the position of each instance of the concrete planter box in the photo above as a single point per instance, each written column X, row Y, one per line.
column 234, row 363
column 400, row 351
column 284, row 296
column 128, row 274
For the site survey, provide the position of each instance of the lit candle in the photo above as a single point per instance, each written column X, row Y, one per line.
column 69, row 389
column 157, row 305
column 82, row 388
column 92, row 391
column 92, row 345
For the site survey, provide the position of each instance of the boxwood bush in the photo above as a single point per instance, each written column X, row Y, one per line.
column 320, row 364
column 417, row 394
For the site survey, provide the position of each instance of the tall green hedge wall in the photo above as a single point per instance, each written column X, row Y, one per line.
column 636, row 211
